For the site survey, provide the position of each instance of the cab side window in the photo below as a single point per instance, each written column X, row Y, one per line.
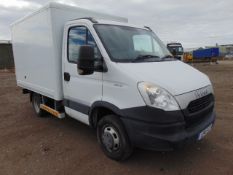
column 77, row 37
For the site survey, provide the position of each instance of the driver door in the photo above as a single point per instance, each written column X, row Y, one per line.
column 80, row 91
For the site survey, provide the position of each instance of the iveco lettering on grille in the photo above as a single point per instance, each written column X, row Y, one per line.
column 201, row 93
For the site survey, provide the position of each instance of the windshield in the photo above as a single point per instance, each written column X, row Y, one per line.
column 128, row 44
column 178, row 49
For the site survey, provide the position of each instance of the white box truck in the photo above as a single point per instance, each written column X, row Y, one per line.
column 118, row 78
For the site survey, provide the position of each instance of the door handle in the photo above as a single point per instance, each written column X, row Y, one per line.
column 66, row 76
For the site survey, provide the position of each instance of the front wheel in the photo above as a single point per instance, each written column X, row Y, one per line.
column 113, row 139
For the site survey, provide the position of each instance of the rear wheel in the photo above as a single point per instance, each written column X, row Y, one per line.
column 113, row 138
column 36, row 101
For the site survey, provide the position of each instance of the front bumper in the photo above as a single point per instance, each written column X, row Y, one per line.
column 165, row 136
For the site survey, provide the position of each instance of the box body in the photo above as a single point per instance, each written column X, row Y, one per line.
column 37, row 47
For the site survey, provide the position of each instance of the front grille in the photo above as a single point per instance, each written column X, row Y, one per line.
column 201, row 103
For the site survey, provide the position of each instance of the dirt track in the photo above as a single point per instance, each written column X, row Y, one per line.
column 32, row 145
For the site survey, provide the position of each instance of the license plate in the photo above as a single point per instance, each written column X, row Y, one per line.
column 204, row 132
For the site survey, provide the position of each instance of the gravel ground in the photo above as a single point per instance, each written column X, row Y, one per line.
column 32, row 145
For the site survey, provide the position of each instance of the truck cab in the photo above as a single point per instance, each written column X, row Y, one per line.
column 131, row 82
column 176, row 49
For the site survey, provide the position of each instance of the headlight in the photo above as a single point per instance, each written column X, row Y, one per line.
column 157, row 97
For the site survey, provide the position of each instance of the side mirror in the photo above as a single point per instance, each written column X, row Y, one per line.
column 86, row 60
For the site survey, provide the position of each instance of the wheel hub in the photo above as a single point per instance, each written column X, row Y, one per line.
column 110, row 139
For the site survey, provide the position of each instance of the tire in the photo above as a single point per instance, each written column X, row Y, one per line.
column 36, row 101
column 113, row 139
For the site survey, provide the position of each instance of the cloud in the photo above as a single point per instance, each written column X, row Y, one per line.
column 193, row 23
column 20, row 4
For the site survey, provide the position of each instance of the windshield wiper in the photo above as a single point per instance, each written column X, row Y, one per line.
column 144, row 57
column 168, row 58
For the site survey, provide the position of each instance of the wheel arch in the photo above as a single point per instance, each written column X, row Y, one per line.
column 100, row 109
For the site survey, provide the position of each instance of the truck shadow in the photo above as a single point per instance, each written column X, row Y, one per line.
column 187, row 156
column 191, row 159
column 184, row 159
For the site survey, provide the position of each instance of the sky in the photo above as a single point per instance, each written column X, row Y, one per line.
column 194, row 23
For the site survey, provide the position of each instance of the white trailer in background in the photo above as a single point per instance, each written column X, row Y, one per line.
column 118, row 78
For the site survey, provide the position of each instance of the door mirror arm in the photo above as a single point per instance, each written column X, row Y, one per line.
column 100, row 65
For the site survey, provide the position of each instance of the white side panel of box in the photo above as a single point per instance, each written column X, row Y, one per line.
column 34, row 56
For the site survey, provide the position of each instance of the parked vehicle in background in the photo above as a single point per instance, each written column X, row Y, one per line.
column 176, row 50
column 188, row 57
column 229, row 55
column 207, row 54
column 116, row 77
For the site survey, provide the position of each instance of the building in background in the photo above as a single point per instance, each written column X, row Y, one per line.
column 6, row 55
column 226, row 50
